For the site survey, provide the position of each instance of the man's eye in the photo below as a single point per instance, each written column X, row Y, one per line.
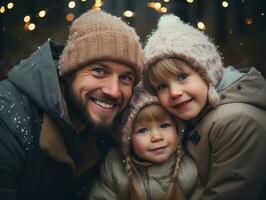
column 164, row 125
column 143, row 130
column 161, row 87
column 127, row 78
column 98, row 71
column 182, row 77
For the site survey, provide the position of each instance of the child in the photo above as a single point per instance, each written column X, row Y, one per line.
column 223, row 108
column 152, row 165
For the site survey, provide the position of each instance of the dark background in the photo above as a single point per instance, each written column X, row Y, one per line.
column 238, row 30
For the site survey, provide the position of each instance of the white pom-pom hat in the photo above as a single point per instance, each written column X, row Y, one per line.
column 175, row 39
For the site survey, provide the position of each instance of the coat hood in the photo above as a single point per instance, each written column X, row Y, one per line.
column 37, row 77
column 140, row 99
column 237, row 87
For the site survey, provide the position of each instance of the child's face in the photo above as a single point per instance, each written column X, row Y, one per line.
column 155, row 141
column 183, row 95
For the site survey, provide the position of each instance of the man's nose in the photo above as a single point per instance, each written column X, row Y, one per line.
column 112, row 87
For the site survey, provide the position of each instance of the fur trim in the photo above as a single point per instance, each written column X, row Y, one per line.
column 174, row 38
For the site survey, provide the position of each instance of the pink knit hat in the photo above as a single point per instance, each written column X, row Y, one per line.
column 174, row 38
column 96, row 35
column 140, row 99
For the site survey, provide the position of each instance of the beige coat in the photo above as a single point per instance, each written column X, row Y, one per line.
column 153, row 179
column 228, row 143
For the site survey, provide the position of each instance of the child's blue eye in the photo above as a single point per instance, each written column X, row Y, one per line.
column 143, row 130
column 182, row 77
column 164, row 125
column 161, row 87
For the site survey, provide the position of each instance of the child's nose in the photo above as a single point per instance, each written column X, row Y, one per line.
column 175, row 90
column 156, row 136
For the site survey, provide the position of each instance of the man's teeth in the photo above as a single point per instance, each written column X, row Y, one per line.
column 104, row 105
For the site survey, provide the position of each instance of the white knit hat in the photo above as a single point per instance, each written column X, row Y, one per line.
column 174, row 38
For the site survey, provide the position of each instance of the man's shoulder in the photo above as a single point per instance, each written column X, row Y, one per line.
column 16, row 114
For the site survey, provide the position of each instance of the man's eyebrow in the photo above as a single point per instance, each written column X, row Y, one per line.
column 100, row 64
column 131, row 72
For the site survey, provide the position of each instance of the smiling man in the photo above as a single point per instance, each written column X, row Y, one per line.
column 59, row 106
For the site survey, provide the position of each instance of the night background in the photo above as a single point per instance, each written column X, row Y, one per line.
column 237, row 27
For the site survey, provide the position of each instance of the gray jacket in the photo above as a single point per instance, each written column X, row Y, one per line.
column 153, row 179
column 32, row 165
column 228, row 142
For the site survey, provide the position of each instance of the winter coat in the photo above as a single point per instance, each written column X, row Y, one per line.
column 228, row 142
column 37, row 153
column 153, row 179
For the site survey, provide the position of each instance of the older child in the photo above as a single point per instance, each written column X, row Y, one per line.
column 223, row 108
column 152, row 164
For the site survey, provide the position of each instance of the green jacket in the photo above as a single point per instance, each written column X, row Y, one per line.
column 228, row 142
column 34, row 167
column 153, row 179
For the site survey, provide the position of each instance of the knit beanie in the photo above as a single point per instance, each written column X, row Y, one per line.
column 175, row 39
column 140, row 99
column 96, row 35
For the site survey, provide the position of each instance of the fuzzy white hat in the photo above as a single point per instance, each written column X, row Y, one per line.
column 174, row 38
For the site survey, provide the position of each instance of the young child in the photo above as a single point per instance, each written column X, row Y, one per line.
column 151, row 164
column 223, row 109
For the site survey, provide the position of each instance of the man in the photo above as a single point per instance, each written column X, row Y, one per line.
column 54, row 110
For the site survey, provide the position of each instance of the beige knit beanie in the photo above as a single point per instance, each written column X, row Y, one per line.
column 174, row 38
column 96, row 35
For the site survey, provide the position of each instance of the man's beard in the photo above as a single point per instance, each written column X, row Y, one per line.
column 81, row 113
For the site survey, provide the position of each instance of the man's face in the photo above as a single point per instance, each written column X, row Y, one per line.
column 99, row 91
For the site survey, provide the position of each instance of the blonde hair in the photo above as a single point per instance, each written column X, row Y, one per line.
column 161, row 70
column 155, row 112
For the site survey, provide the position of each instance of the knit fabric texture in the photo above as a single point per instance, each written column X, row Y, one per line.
column 140, row 99
column 174, row 38
column 95, row 36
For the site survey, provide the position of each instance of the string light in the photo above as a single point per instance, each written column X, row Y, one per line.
column 97, row 5
column 27, row 18
column 2, row 9
column 163, row 9
column 225, row 4
column 70, row 17
column 32, row 26
column 249, row 21
column 10, row 5
column 128, row 13
column 201, row 26
column 71, row 4
column 42, row 13
column 155, row 5
column 26, row 26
